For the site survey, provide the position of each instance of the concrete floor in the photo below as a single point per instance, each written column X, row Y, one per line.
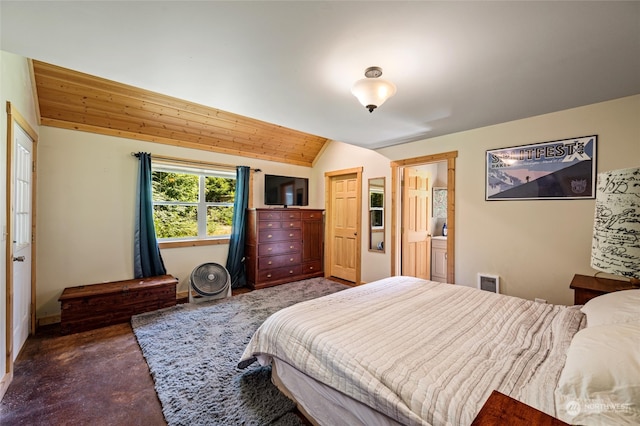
column 97, row 377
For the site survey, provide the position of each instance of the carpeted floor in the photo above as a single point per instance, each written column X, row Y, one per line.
column 193, row 349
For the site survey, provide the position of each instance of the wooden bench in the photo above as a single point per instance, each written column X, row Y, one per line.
column 87, row 307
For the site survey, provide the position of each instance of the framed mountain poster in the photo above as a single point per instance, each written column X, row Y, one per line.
column 562, row 169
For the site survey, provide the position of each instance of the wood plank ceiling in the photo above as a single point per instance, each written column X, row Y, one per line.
column 73, row 100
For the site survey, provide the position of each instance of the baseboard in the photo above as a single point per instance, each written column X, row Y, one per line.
column 4, row 383
column 53, row 319
column 343, row 281
column 182, row 297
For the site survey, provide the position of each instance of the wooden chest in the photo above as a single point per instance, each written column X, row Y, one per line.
column 98, row 305
column 283, row 245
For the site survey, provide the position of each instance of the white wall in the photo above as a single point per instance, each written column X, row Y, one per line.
column 86, row 196
column 340, row 156
column 534, row 246
column 15, row 87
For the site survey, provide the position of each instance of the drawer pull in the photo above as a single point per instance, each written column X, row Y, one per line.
column 291, row 225
column 291, row 247
column 291, row 235
column 291, row 260
column 268, row 275
column 291, row 272
column 269, row 225
column 311, row 268
column 269, row 263
column 270, row 248
column 269, row 236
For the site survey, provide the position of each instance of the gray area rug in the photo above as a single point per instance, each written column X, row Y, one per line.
column 193, row 350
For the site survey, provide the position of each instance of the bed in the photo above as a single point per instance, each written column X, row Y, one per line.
column 412, row 352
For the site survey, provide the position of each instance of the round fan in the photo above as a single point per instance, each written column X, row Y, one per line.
column 211, row 280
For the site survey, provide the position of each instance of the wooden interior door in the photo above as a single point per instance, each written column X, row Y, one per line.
column 344, row 227
column 416, row 250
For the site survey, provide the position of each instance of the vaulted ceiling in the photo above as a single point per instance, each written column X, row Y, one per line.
column 458, row 65
column 73, row 100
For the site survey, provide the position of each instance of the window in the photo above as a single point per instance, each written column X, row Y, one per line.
column 192, row 203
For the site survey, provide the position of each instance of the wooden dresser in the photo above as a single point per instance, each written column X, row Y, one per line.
column 283, row 245
column 98, row 305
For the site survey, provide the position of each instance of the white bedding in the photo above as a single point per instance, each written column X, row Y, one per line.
column 421, row 352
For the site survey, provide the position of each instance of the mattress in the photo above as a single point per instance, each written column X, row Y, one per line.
column 322, row 404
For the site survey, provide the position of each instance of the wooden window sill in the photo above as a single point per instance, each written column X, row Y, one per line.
column 192, row 243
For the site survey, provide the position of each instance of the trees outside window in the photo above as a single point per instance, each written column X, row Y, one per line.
column 192, row 203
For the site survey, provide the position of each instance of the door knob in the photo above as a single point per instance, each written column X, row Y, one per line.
column 18, row 259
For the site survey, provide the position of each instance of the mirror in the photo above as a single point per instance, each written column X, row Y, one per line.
column 376, row 215
column 439, row 210
column 439, row 207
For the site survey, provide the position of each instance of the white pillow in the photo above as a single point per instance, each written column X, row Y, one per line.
column 613, row 308
column 600, row 381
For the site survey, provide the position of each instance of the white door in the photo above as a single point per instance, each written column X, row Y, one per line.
column 21, row 175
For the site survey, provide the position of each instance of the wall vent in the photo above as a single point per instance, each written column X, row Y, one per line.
column 488, row 282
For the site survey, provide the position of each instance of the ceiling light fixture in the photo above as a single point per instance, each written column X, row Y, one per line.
column 373, row 91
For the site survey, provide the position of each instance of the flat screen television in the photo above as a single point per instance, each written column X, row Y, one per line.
column 286, row 191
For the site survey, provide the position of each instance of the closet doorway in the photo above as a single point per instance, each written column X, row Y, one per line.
column 405, row 214
column 343, row 201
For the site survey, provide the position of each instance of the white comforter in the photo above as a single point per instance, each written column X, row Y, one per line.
column 423, row 352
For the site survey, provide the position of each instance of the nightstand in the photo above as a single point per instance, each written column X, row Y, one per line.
column 587, row 287
column 501, row 409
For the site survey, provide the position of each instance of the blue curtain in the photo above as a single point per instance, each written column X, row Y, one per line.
column 147, row 261
column 235, row 258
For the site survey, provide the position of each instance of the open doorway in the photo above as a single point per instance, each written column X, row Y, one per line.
column 417, row 243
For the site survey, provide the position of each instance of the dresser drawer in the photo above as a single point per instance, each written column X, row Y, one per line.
column 291, row 215
column 312, row 267
column 291, row 224
column 311, row 215
column 269, row 224
column 268, row 235
column 279, row 248
column 279, row 273
column 271, row 262
column 269, row 215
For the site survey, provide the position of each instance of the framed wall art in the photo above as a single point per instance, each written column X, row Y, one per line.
column 562, row 169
